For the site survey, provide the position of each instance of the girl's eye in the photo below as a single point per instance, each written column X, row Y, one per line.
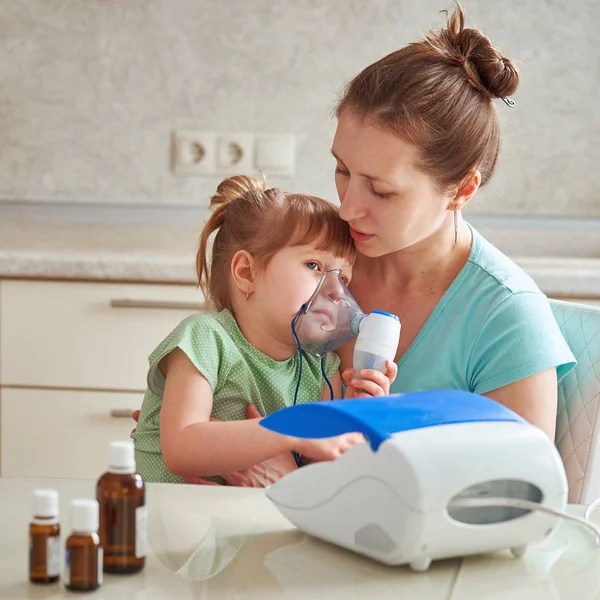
column 312, row 265
column 345, row 280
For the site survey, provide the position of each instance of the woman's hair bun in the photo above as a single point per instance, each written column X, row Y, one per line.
column 486, row 68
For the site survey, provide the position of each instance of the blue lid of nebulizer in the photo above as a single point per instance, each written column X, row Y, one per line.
column 381, row 417
column 386, row 314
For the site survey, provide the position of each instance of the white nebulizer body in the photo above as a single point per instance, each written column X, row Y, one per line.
column 417, row 491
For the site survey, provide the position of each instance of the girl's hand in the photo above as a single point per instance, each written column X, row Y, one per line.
column 371, row 382
column 328, row 448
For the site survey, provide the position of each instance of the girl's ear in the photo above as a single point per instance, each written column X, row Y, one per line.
column 243, row 272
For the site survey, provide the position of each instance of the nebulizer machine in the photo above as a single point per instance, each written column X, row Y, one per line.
column 443, row 473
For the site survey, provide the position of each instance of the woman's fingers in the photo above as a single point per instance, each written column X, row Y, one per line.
column 200, row 481
column 252, row 412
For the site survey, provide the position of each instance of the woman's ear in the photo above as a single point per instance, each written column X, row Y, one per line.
column 466, row 190
column 243, row 272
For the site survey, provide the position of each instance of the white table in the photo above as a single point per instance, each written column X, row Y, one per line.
column 272, row 560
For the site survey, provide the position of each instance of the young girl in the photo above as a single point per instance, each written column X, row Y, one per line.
column 268, row 255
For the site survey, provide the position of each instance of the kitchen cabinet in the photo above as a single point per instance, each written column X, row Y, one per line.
column 73, row 364
column 61, row 433
column 86, row 335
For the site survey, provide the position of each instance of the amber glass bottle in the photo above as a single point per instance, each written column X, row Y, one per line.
column 44, row 538
column 121, row 495
column 83, row 566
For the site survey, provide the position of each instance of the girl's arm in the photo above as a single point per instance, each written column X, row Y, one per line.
column 193, row 446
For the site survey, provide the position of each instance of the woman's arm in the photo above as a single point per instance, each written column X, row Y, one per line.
column 193, row 446
column 534, row 398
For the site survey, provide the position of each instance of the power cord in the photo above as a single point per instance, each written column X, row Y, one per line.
column 591, row 508
column 531, row 506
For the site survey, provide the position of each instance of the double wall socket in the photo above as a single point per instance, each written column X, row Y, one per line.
column 205, row 153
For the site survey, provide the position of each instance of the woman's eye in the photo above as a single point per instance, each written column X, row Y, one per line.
column 312, row 265
column 341, row 172
column 377, row 194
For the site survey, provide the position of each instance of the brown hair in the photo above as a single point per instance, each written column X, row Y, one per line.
column 249, row 216
column 437, row 95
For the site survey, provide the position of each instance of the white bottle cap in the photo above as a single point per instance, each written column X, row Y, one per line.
column 84, row 517
column 45, row 503
column 121, row 457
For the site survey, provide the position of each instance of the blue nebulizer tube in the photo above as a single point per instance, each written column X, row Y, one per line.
column 331, row 318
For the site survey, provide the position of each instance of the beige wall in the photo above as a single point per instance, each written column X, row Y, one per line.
column 91, row 89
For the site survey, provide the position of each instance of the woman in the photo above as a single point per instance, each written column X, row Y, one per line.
column 417, row 136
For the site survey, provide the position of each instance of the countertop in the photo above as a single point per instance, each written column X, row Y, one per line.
column 197, row 530
column 164, row 252
column 135, row 252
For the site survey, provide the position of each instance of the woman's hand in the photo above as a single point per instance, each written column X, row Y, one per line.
column 263, row 474
column 259, row 476
column 135, row 415
column 371, row 382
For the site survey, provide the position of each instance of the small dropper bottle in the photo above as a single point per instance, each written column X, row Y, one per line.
column 44, row 538
column 83, row 572
column 121, row 495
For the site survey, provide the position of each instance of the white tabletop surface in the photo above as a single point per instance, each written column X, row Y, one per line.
column 193, row 529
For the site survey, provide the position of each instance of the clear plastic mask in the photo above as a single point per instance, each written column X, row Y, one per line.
column 330, row 318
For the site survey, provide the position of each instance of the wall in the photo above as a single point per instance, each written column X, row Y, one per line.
column 90, row 91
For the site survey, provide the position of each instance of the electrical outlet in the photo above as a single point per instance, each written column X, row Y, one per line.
column 276, row 154
column 194, row 152
column 235, row 153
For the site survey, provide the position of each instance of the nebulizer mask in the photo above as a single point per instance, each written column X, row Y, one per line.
column 331, row 317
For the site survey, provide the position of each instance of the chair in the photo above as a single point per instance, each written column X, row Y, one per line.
column 577, row 424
